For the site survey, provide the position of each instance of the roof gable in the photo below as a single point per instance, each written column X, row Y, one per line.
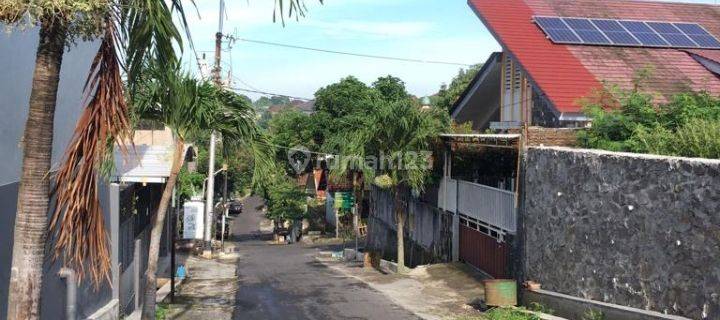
column 566, row 73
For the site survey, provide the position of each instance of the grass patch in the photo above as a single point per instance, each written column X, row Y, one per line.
column 504, row 314
column 161, row 311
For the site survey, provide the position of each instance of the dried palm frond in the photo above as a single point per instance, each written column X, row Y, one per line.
column 77, row 223
column 134, row 32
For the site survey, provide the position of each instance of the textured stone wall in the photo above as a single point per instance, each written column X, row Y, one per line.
column 636, row 230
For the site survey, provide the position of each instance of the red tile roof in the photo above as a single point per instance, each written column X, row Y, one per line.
column 567, row 73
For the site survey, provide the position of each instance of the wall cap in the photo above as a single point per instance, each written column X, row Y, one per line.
column 598, row 152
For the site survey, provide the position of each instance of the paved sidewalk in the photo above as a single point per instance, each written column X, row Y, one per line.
column 209, row 291
column 440, row 291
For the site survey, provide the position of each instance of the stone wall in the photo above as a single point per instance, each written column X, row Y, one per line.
column 636, row 230
column 539, row 136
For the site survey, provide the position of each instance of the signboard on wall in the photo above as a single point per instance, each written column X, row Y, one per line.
column 193, row 220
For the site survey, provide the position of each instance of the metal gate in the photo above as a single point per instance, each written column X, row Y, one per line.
column 484, row 252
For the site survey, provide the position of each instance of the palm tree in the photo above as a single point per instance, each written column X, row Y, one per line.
column 140, row 30
column 190, row 109
column 407, row 132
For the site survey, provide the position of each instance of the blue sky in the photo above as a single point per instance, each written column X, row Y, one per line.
column 445, row 30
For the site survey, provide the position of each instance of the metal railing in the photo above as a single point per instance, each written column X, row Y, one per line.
column 493, row 206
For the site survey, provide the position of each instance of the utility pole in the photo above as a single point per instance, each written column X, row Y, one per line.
column 209, row 200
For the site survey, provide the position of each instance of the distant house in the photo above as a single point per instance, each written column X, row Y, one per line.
column 558, row 52
column 306, row 107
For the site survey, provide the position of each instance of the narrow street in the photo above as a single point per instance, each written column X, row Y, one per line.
column 275, row 282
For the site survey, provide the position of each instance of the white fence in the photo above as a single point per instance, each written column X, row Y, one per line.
column 449, row 202
column 495, row 207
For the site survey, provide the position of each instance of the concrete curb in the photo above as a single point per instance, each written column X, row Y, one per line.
column 574, row 307
column 385, row 265
column 164, row 291
column 108, row 312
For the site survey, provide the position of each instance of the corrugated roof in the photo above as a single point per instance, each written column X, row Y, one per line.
column 566, row 73
column 146, row 163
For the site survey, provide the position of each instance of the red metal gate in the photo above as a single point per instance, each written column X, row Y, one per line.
column 484, row 252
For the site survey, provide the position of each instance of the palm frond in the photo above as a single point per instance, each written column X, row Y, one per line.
column 296, row 8
column 77, row 223
column 150, row 34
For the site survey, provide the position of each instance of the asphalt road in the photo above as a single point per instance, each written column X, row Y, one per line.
column 286, row 282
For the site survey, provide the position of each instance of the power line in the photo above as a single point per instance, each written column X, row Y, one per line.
column 245, row 83
column 270, row 93
column 353, row 53
column 297, row 149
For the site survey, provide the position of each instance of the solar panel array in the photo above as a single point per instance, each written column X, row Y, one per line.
column 613, row 32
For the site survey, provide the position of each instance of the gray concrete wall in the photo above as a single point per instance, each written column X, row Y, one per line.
column 53, row 295
column 428, row 235
column 635, row 230
column 17, row 50
column 8, row 197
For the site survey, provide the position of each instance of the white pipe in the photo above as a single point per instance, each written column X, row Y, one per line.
column 71, row 284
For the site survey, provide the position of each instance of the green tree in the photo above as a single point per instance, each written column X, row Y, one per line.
column 292, row 128
column 138, row 30
column 403, row 141
column 348, row 96
column 285, row 201
column 262, row 103
column 279, row 100
column 190, row 109
column 391, row 88
column 449, row 94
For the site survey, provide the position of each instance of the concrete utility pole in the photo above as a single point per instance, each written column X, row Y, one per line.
column 209, row 200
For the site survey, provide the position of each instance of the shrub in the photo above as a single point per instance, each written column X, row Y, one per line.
column 688, row 126
column 698, row 138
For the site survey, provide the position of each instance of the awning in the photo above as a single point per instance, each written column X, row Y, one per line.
column 143, row 164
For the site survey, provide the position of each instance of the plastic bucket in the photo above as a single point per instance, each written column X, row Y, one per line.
column 500, row 293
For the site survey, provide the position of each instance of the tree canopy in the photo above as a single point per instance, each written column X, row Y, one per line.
column 348, row 96
column 448, row 94
column 391, row 88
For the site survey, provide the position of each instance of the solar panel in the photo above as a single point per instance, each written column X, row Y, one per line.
column 557, row 30
column 627, row 33
column 644, row 34
column 699, row 35
column 615, row 32
column 672, row 34
column 587, row 31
